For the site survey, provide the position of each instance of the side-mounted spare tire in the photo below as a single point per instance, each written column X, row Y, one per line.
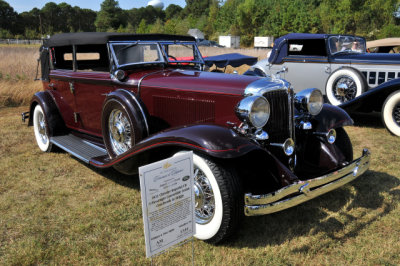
column 122, row 124
column 344, row 85
column 391, row 113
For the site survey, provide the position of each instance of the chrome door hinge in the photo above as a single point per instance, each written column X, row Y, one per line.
column 76, row 115
column 72, row 87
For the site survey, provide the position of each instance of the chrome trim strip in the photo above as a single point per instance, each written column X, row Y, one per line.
column 270, row 203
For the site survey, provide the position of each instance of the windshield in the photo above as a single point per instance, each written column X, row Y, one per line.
column 348, row 44
column 182, row 53
column 136, row 53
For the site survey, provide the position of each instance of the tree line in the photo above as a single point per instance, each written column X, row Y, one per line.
column 247, row 18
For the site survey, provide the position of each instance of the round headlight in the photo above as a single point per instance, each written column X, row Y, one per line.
column 310, row 100
column 315, row 102
column 255, row 110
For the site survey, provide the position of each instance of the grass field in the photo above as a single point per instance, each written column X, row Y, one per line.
column 56, row 210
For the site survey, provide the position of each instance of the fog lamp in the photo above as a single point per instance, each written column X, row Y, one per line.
column 331, row 136
column 288, row 147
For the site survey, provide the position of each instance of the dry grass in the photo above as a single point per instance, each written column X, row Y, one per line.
column 18, row 66
column 56, row 210
column 17, row 71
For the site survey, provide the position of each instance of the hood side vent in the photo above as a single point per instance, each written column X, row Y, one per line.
column 182, row 111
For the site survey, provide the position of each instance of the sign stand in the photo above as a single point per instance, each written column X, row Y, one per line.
column 168, row 203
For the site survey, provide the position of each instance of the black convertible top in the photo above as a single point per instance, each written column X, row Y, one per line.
column 81, row 38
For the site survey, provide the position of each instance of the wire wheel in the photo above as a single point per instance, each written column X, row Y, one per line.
column 345, row 89
column 344, row 85
column 396, row 114
column 204, row 198
column 120, row 131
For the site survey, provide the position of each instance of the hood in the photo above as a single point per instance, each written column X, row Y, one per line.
column 368, row 58
column 189, row 80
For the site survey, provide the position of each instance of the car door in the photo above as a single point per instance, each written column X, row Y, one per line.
column 306, row 64
column 59, row 83
column 91, row 82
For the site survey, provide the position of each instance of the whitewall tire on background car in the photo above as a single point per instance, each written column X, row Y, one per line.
column 344, row 85
column 391, row 113
column 218, row 200
column 41, row 129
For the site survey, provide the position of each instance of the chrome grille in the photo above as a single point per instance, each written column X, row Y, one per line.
column 280, row 123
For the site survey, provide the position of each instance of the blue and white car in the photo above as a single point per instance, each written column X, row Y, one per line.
column 341, row 67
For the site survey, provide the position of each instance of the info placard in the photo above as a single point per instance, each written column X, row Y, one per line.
column 167, row 202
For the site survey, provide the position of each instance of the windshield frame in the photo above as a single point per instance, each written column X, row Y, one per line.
column 350, row 51
column 196, row 50
column 115, row 59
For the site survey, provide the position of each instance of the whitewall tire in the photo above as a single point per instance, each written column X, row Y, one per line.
column 344, row 85
column 41, row 129
column 391, row 113
column 218, row 200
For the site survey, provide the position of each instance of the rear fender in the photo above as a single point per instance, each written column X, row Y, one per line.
column 46, row 101
column 331, row 117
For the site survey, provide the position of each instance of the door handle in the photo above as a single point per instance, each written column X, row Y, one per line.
column 52, row 86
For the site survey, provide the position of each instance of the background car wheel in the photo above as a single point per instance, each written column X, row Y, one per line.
column 218, row 200
column 343, row 142
column 344, row 85
column 120, row 130
column 41, row 129
column 391, row 113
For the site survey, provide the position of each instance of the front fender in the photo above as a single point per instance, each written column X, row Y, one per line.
column 212, row 140
column 373, row 99
column 331, row 117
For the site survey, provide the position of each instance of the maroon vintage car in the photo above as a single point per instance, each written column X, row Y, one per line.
column 123, row 100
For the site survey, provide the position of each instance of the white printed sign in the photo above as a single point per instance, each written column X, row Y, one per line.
column 167, row 202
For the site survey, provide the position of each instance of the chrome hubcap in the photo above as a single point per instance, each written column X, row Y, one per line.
column 120, row 132
column 345, row 89
column 396, row 114
column 204, row 198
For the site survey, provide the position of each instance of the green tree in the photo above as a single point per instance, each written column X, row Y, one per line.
column 197, row 8
column 8, row 17
column 110, row 16
column 173, row 11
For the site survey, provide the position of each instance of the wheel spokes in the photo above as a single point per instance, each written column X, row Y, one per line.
column 205, row 204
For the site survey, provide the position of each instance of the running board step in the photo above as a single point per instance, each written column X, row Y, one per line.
column 78, row 147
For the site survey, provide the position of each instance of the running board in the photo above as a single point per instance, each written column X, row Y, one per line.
column 78, row 147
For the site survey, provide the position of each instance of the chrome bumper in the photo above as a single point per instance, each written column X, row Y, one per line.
column 302, row 191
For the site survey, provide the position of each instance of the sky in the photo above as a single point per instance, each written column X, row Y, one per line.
column 27, row 5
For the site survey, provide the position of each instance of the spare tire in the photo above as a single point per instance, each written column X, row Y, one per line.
column 344, row 85
column 121, row 126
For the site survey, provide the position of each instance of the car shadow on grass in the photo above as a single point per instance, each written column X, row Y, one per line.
column 130, row 181
column 337, row 215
